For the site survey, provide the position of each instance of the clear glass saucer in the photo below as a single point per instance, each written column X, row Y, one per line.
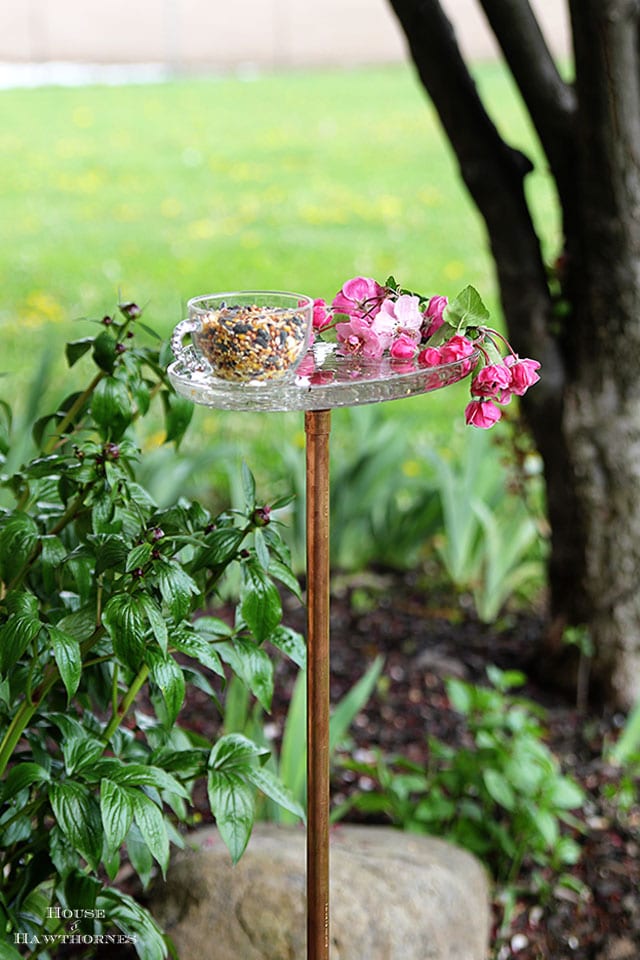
column 325, row 379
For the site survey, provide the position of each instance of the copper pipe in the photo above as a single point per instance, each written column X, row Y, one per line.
column 317, row 424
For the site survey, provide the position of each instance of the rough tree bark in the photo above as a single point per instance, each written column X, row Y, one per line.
column 585, row 413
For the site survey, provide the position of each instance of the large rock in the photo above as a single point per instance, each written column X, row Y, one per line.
column 394, row 896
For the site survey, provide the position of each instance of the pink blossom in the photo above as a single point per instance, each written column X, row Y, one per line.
column 357, row 338
column 359, row 297
column 321, row 314
column 456, row 348
column 430, row 357
column 481, row 413
column 523, row 374
column 403, row 347
column 434, row 315
column 405, row 314
column 491, row 381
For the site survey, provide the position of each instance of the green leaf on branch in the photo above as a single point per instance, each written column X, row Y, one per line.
column 18, row 540
column 76, row 349
column 111, row 408
column 261, row 607
column 466, row 310
column 292, row 643
column 253, row 665
column 157, row 622
column 221, row 546
column 15, row 636
column 134, row 921
column 126, row 626
column 68, row 657
column 150, row 821
column 198, row 648
column 116, row 810
column 231, row 800
column 177, row 415
column 176, row 588
column 271, row 786
column 248, row 488
column 104, row 352
column 78, row 816
column 169, row 678
column 20, row 777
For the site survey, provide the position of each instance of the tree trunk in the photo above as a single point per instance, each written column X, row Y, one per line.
column 585, row 412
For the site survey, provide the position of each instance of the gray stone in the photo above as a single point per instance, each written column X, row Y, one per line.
column 394, row 896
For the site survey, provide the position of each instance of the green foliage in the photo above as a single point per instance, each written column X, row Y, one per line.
column 503, row 796
column 490, row 544
column 99, row 588
column 290, row 764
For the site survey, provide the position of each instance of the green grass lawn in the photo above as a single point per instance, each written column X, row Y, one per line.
column 294, row 181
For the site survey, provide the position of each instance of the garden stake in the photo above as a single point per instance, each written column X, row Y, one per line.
column 317, row 426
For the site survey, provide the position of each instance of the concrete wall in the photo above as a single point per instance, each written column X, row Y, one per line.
column 220, row 35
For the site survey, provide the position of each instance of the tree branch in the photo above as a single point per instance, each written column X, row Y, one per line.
column 551, row 101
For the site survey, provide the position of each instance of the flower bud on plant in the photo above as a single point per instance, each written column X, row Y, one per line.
column 261, row 516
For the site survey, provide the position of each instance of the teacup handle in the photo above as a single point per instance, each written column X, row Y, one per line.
column 186, row 356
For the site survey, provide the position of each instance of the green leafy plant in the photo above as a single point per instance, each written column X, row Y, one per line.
column 489, row 543
column 98, row 646
column 290, row 763
column 503, row 796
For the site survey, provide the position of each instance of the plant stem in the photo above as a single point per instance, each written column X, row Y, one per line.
column 73, row 410
column 125, row 703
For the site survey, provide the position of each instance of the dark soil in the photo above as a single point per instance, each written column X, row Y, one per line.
column 424, row 641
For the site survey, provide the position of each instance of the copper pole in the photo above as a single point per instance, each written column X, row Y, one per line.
column 317, row 424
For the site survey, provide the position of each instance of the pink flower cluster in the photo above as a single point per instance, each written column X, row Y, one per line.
column 379, row 320
column 495, row 384
column 384, row 320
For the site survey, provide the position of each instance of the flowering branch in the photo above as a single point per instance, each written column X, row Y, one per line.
column 372, row 320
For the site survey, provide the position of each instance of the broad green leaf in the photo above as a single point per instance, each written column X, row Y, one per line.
column 110, row 551
column 111, row 408
column 261, row 548
column 177, row 588
column 15, row 636
column 139, row 775
column 169, row 678
column 499, row 789
column 272, row 787
column 292, row 643
column 81, row 752
column 126, row 625
column 466, row 310
column 139, row 855
column 9, row 952
column 231, row 800
column 20, row 776
column 78, row 816
column 285, row 575
column 18, row 539
column 104, row 351
column 53, row 556
column 248, row 487
column 138, row 557
column 199, row 649
column 157, row 622
column 77, row 348
column 151, row 824
column 234, row 751
column 565, row 794
column 261, row 607
column 547, row 825
column 221, row 546
column 213, row 627
column 81, row 890
column 135, row 922
column 178, row 412
column 253, row 665
column 80, row 624
column 68, row 657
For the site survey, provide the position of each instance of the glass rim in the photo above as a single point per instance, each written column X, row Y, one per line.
column 197, row 303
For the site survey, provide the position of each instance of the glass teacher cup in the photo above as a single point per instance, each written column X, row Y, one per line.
column 250, row 336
